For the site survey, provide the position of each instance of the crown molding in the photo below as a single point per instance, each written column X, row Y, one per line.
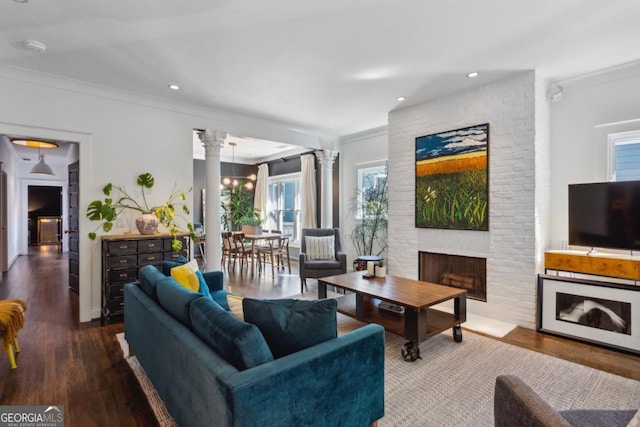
column 241, row 124
column 366, row 134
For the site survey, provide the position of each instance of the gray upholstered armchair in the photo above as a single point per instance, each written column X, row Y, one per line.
column 516, row 404
column 331, row 264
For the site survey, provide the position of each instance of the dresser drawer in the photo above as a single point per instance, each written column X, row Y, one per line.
column 114, row 291
column 122, row 247
column 154, row 259
column 122, row 276
column 115, row 305
column 172, row 256
column 127, row 261
column 150, row 245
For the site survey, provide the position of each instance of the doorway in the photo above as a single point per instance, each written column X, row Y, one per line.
column 44, row 215
column 4, row 239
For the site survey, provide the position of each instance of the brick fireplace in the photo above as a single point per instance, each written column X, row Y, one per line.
column 464, row 272
column 517, row 110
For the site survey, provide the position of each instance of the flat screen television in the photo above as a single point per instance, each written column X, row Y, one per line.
column 605, row 215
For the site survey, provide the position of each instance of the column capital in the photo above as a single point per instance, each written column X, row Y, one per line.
column 212, row 140
column 327, row 157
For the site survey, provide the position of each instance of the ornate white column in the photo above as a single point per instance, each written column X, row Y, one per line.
column 326, row 157
column 212, row 140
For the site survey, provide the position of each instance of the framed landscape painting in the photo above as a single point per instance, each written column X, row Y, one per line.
column 452, row 179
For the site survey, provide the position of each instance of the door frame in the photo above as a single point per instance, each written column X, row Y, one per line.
column 89, row 300
column 4, row 229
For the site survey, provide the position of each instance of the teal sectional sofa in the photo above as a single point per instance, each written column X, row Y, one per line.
column 211, row 368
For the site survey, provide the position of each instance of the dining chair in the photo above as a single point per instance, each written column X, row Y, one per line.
column 241, row 250
column 275, row 251
column 227, row 248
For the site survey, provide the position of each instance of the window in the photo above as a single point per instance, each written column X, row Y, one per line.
column 285, row 212
column 624, row 156
column 370, row 180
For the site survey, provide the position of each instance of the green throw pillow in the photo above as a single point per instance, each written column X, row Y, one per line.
column 290, row 325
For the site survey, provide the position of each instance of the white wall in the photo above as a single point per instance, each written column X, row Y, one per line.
column 120, row 135
column 591, row 107
column 363, row 149
column 511, row 245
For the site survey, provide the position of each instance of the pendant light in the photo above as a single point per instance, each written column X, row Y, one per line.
column 41, row 168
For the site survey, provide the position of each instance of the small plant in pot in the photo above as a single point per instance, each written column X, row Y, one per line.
column 107, row 211
column 380, row 269
column 251, row 224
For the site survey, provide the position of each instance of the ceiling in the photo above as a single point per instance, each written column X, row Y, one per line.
column 333, row 67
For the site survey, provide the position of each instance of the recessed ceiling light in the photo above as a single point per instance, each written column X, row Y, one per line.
column 473, row 74
column 174, row 87
column 34, row 45
column 21, row 1
column 401, row 98
column 34, row 143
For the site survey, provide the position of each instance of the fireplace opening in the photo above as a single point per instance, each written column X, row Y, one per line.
column 464, row 272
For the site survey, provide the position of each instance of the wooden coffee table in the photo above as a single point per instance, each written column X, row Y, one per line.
column 417, row 321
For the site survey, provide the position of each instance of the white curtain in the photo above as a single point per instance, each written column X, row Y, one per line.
column 261, row 197
column 308, row 195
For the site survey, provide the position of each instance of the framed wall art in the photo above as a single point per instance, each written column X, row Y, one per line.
column 592, row 311
column 452, row 179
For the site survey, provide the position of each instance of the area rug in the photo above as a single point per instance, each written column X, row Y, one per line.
column 453, row 383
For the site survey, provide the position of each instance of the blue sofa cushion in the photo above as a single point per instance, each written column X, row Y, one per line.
column 291, row 325
column 239, row 343
column 221, row 298
column 175, row 299
column 149, row 277
column 167, row 265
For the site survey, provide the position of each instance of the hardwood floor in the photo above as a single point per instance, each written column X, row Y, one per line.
column 80, row 366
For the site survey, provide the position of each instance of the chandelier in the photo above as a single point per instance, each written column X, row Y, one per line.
column 233, row 181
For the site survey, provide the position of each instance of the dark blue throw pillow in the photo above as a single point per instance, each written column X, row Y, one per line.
column 167, row 265
column 290, row 325
column 239, row 343
column 176, row 299
column 149, row 277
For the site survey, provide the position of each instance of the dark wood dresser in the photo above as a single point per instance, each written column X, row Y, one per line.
column 122, row 256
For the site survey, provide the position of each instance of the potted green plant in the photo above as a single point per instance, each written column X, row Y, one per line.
column 107, row 211
column 237, row 209
column 251, row 223
column 380, row 269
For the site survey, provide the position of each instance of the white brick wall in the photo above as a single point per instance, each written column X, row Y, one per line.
column 516, row 162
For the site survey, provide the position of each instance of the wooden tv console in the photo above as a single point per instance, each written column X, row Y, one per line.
column 604, row 264
column 594, row 287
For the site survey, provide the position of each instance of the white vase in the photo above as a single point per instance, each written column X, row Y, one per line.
column 147, row 223
column 381, row 270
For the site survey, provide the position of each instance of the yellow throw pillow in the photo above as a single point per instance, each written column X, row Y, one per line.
column 186, row 275
column 235, row 305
